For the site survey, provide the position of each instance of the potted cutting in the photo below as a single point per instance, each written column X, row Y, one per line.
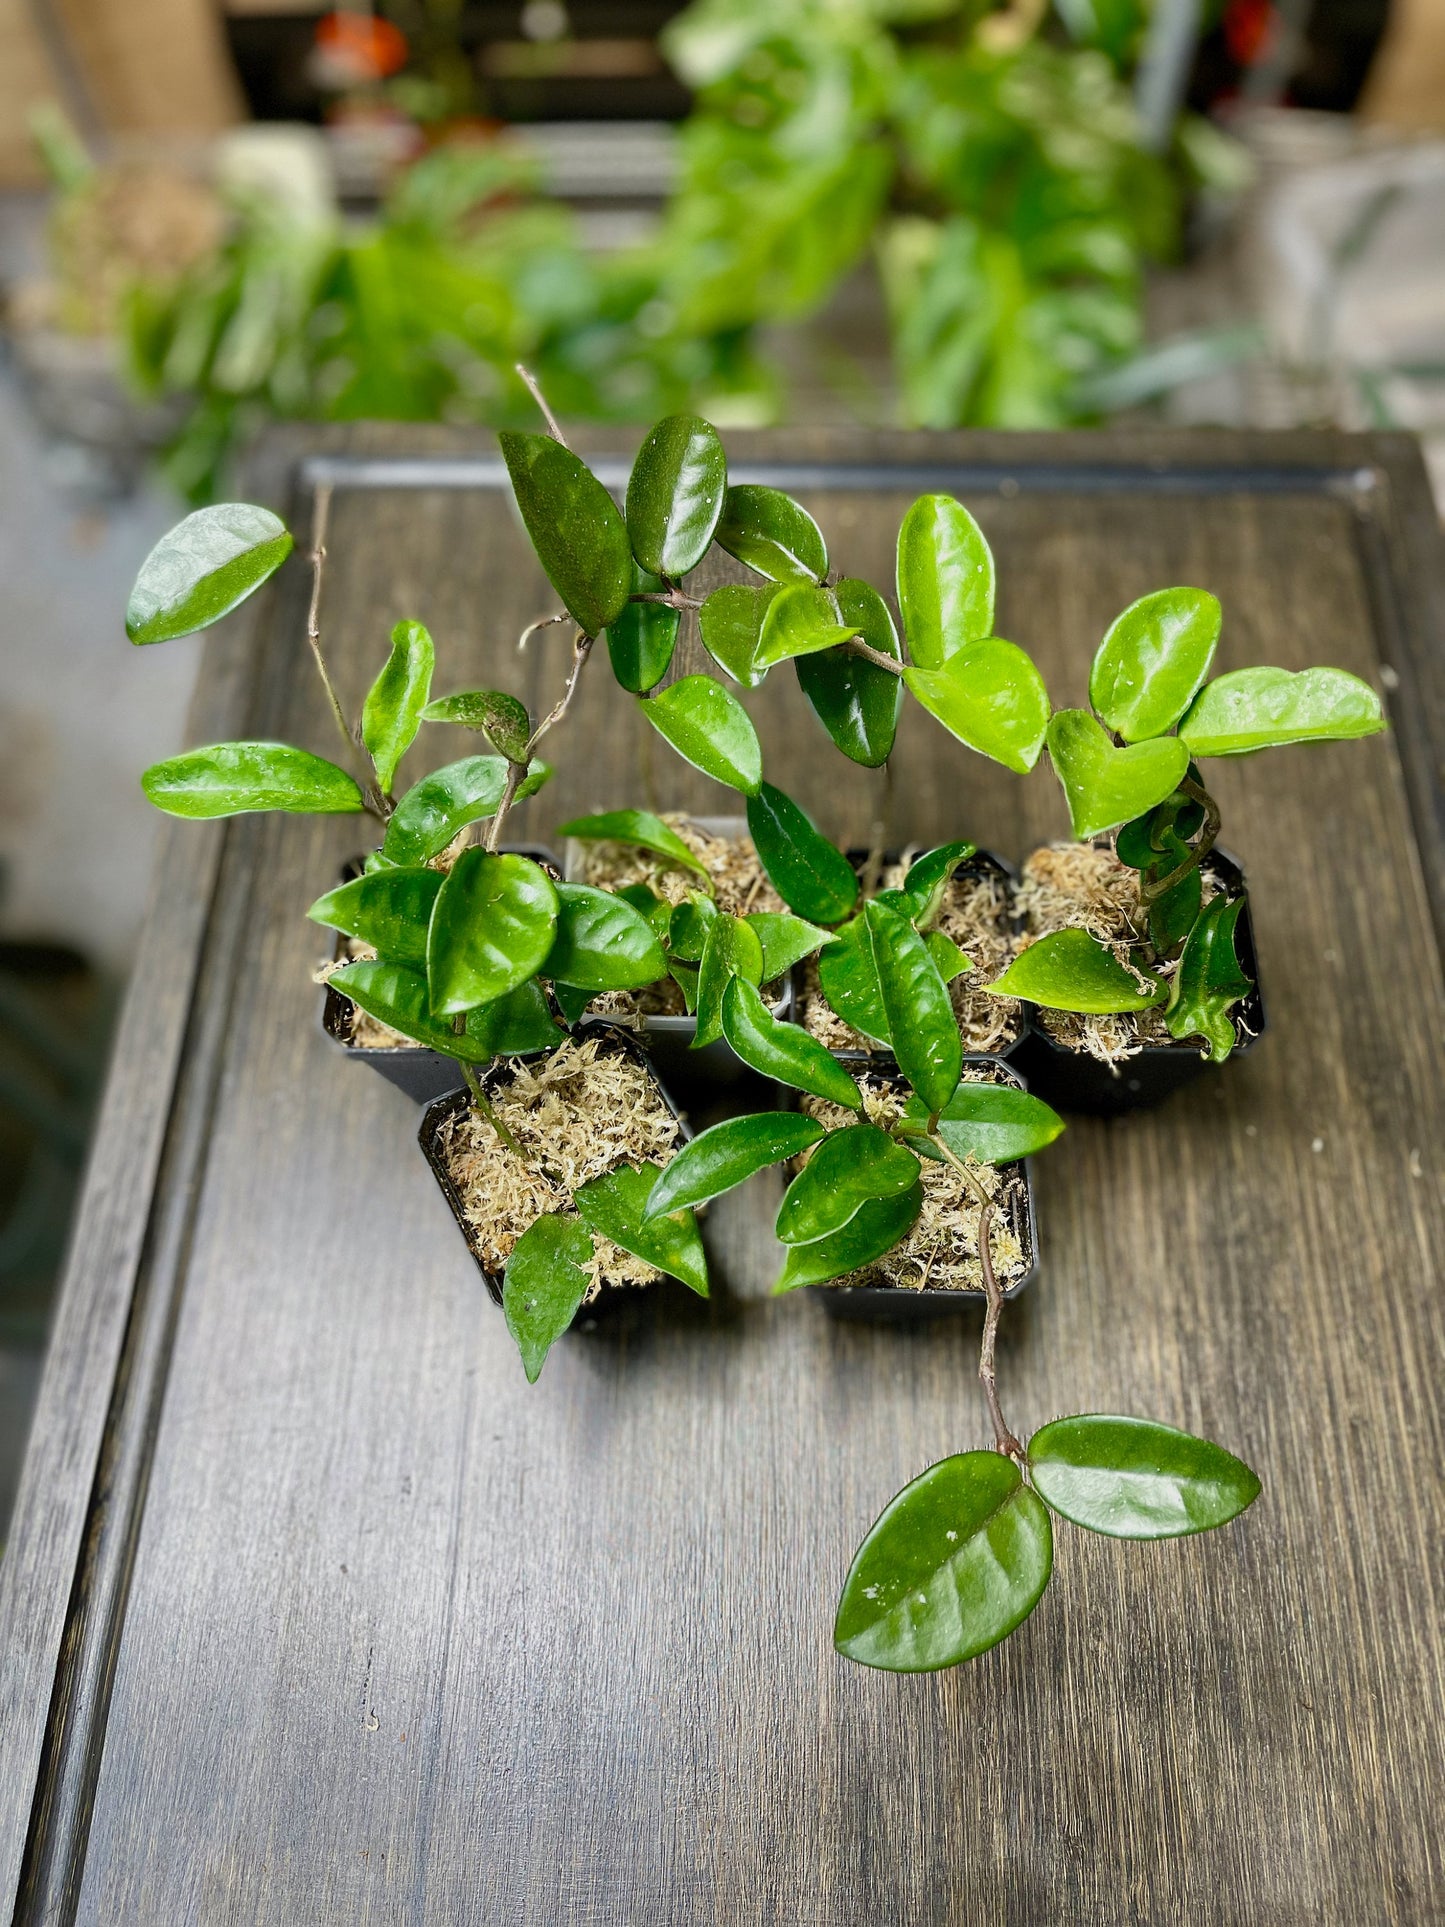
column 1140, row 951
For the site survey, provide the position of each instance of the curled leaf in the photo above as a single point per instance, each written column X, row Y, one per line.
column 204, row 567
column 638, row 827
column 396, row 700
column 433, row 811
column 730, row 949
column 1209, row 981
column 1252, row 709
column 800, row 620
column 501, row 717
column 730, row 622
column 918, row 1007
column 783, row 1051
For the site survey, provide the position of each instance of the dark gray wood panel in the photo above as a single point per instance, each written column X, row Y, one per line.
column 402, row 1639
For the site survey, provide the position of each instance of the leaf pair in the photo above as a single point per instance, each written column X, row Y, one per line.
column 547, row 1278
column 880, row 976
column 962, row 1555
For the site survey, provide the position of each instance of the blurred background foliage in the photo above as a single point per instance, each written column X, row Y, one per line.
column 985, row 162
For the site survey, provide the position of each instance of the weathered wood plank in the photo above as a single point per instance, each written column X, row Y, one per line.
column 407, row 1640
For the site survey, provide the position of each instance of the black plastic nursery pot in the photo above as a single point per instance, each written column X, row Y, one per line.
column 900, row 1303
column 418, row 1070
column 614, row 1038
column 1071, row 1080
column 670, row 1038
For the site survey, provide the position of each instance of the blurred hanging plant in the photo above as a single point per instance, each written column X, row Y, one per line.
column 997, row 177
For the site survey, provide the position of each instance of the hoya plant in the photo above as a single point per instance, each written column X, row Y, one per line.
column 1130, row 769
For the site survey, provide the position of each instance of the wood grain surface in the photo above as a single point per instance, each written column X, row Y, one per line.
column 315, row 1612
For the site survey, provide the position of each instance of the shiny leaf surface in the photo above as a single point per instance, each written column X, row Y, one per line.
column 954, row 1563
column 807, row 871
column 1106, row 786
column 801, row 619
column 501, row 717
column 1149, row 666
column 601, row 943
column 675, row 494
column 990, row 696
column 544, row 1285
column 389, row 909
column 640, row 828
column 850, row 1167
column 786, row 940
column 848, row 975
column 231, row 779
column 641, row 639
column 772, row 534
column 709, row 728
column 731, row 949
column 612, row 1206
column 1209, row 981
column 202, row 568
column 1254, row 709
column 857, row 702
column 731, row 624
column 492, row 928
column 724, row 1156
column 782, row 1051
column 580, row 539
column 951, row 961
column 434, row 810
column 877, row 1226
column 1133, row 1479
column 1070, row 970
column 392, row 712
column 945, row 579
column 919, row 1011
column 688, row 925
column 928, row 879
column 397, row 996
column 995, row 1123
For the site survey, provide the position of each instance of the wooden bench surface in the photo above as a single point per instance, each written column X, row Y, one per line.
column 314, row 1612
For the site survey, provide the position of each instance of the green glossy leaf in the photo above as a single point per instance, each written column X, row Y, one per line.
column 396, row 996
column 848, row 975
column 377, row 860
column 786, row 940
column 772, row 534
column 945, row 579
column 955, row 1562
column 928, row 879
column 1209, row 981
column 1106, row 786
column 390, row 910
column 718, row 1159
column 990, row 696
column 492, row 928
column 641, row 639
column 1252, row 709
column 202, row 568
column 857, row 702
column 1070, row 970
column 613, row 1206
column 807, row 871
column 230, row 779
column 601, row 943
column 920, row 1013
column 782, row 1051
column 580, row 539
column 730, row 950
column 545, row 1284
column 709, row 728
column 731, row 624
column 499, row 716
column 572, row 1003
column 1174, row 914
column 638, row 827
column 995, row 1123
column 848, row 1169
column 675, row 494
column 656, row 909
column 878, row 1225
column 1134, row 1479
column 1149, row 666
column 441, row 805
column 801, row 619
column 684, row 975
column 1144, row 840
column 392, row 712
column 951, row 961
column 688, row 925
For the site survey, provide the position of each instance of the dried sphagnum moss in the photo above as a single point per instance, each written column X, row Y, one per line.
column 940, row 1253
column 975, row 914
column 1084, row 886
column 740, row 885
column 577, row 1114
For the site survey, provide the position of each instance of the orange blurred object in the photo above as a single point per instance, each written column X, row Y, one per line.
column 360, row 47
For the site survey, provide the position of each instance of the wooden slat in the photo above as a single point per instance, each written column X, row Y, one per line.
column 404, row 1639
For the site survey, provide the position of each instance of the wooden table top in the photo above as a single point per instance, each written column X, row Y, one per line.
column 315, row 1612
